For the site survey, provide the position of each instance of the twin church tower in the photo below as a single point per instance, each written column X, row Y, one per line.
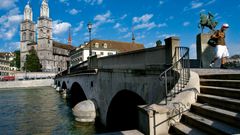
column 53, row 55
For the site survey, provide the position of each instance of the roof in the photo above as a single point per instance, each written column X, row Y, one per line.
column 63, row 46
column 3, row 54
column 116, row 45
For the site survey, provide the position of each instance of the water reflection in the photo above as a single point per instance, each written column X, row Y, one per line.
column 38, row 111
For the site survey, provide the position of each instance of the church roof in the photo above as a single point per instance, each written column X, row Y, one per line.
column 63, row 46
column 116, row 45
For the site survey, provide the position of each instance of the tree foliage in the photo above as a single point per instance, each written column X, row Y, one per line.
column 16, row 61
column 32, row 63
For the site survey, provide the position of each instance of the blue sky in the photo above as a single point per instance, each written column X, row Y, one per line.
column 113, row 20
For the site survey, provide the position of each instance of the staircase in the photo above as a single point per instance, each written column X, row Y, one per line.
column 217, row 110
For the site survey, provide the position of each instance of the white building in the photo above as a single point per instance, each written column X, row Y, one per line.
column 101, row 48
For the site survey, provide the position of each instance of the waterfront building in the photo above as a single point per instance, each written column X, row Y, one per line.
column 102, row 48
column 53, row 55
column 5, row 67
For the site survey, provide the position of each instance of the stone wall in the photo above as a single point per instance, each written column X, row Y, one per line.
column 205, row 52
column 26, row 83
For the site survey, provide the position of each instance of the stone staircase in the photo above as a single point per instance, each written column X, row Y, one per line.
column 217, row 110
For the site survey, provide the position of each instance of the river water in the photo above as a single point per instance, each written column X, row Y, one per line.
column 27, row 111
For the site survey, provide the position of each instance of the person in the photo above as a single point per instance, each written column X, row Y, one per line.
column 221, row 48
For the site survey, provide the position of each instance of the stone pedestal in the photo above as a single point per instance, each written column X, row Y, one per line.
column 205, row 52
column 171, row 43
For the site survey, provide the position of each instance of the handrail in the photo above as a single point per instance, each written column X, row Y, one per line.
column 177, row 76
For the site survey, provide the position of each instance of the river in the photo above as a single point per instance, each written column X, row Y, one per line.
column 27, row 111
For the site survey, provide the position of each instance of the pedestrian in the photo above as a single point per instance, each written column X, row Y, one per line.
column 221, row 51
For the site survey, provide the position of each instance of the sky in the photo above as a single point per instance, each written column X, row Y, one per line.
column 151, row 20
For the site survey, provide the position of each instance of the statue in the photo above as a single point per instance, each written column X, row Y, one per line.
column 207, row 21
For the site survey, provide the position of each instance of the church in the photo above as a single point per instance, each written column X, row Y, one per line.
column 53, row 56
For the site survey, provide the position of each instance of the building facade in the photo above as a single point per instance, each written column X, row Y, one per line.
column 102, row 48
column 52, row 55
column 5, row 64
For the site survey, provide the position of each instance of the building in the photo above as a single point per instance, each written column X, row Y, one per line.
column 52, row 55
column 102, row 48
column 5, row 64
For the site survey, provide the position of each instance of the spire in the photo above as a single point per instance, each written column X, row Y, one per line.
column 133, row 37
column 44, row 11
column 28, row 12
column 69, row 37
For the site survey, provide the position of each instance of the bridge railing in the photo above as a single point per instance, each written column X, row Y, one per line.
column 177, row 76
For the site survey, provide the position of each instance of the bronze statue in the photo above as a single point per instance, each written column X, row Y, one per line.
column 207, row 21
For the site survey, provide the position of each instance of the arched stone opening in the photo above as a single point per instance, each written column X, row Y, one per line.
column 122, row 112
column 58, row 84
column 76, row 94
column 64, row 86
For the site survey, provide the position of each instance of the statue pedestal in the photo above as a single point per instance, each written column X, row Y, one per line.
column 205, row 52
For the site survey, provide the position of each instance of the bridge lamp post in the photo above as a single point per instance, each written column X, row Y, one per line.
column 90, row 30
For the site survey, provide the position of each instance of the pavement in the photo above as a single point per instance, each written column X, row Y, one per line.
column 210, row 71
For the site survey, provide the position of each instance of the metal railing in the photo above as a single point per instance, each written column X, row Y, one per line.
column 177, row 76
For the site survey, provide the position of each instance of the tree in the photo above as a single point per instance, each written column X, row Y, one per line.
column 32, row 63
column 16, row 61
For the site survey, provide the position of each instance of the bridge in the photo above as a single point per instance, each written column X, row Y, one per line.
column 118, row 84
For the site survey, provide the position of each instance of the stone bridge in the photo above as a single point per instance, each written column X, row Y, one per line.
column 118, row 84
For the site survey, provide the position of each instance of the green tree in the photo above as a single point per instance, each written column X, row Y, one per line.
column 32, row 63
column 16, row 61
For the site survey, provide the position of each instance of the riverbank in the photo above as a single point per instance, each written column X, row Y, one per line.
column 26, row 83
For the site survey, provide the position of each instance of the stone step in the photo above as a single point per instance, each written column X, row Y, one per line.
column 221, row 76
column 182, row 129
column 220, row 83
column 232, row 118
column 208, row 125
column 221, row 91
column 222, row 102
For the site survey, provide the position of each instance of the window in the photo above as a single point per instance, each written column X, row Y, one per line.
column 31, row 37
column 105, row 45
column 24, row 36
column 96, row 45
column 110, row 53
column 102, row 53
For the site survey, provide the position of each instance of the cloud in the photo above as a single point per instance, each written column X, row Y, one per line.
column 102, row 19
column 127, row 35
column 193, row 5
column 166, row 35
column 196, row 5
column 60, row 27
column 143, row 22
column 148, row 26
column 145, row 18
column 93, row 2
column 7, row 4
column 79, row 27
column 186, row 23
column 162, row 25
column 10, row 47
column 210, row 2
column 161, row 2
column 65, row 2
column 123, row 17
column 74, row 11
column 120, row 28
column 9, row 24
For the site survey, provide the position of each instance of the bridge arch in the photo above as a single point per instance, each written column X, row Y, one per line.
column 122, row 112
column 64, row 85
column 58, row 84
column 76, row 94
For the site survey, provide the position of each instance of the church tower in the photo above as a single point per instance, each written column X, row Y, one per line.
column 27, row 33
column 45, row 44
